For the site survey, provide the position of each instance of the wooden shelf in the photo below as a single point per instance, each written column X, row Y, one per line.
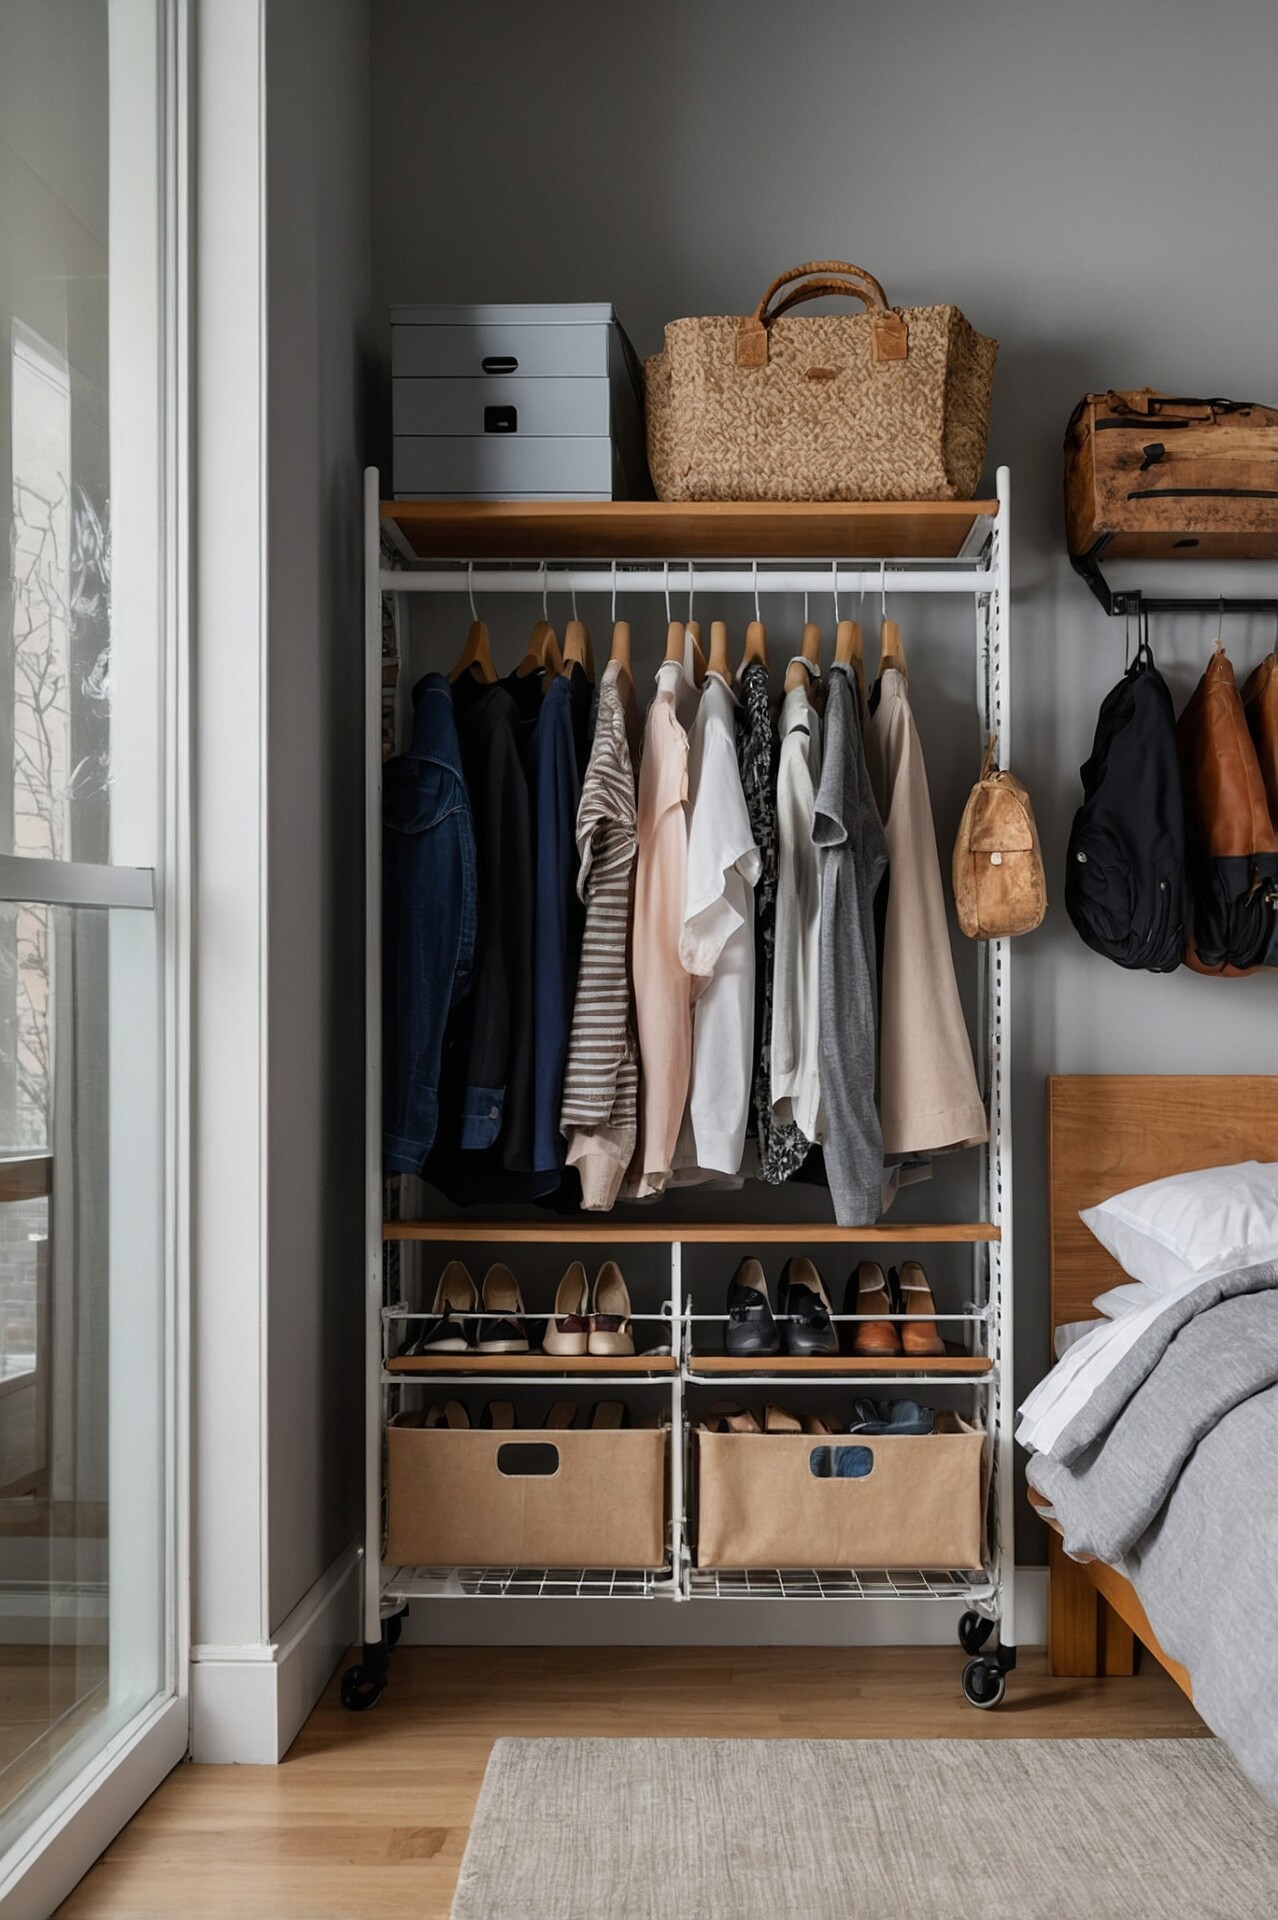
column 960, row 1363
column 534, row 1363
column 426, row 530
column 570, row 1228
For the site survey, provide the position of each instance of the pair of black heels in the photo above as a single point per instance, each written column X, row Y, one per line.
column 803, row 1307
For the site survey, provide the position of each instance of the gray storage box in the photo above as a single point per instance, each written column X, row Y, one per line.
column 516, row 402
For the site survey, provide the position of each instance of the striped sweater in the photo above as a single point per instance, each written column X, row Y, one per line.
column 601, row 1079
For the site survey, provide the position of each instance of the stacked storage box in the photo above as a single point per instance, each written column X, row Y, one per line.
column 516, row 403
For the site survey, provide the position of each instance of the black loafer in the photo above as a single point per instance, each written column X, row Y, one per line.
column 804, row 1303
column 751, row 1330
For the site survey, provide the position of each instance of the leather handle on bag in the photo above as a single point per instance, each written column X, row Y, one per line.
column 889, row 334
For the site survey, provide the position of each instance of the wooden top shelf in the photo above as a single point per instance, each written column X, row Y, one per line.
column 572, row 1228
column 426, row 530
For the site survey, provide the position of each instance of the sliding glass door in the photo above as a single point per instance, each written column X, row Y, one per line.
column 88, row 986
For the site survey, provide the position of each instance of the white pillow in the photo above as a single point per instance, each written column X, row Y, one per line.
column 1192, row 1225
column 1121, row 1300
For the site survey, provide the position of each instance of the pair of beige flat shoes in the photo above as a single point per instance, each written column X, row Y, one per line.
column 726, row 1416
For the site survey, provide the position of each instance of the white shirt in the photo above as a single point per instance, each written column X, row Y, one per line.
column 717, row 941
column 796, row 1033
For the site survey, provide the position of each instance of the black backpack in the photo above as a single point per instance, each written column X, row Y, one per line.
column 1125, row 886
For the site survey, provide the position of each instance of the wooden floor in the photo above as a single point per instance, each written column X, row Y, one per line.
column 369, row 1813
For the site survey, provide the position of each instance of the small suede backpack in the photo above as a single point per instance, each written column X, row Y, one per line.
column 999, row 884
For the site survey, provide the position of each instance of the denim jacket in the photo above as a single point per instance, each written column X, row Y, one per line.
column 429, row 893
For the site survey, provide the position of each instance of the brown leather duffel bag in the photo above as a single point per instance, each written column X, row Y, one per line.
column 1149, row 475
column 1232, row 842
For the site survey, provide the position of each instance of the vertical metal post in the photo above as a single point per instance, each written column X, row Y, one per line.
column 676, row 1417
column 1000, row 1098
column 372, row 1055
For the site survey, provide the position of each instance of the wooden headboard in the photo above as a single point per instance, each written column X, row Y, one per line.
column 1107, row 1132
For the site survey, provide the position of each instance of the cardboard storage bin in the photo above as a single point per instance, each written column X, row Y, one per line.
column 479, row 1498
column 917, row 1501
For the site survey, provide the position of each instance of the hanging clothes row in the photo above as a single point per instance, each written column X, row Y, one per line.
column 621, row 960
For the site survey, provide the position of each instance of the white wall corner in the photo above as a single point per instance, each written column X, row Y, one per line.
column 248, row 1703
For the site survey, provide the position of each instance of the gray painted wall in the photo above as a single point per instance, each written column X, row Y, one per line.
column 1092, row 184
column 318, row 278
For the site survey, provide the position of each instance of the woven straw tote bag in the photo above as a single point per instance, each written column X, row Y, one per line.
column 891, row 403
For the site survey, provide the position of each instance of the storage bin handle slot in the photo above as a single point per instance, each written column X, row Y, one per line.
column 841, row 1463
column 527, row 1459
column 499, row 363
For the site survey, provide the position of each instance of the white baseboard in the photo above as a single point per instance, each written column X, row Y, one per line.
column 723, row 1623
column 248, row 1703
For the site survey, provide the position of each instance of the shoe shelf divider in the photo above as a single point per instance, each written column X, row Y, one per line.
column 955, row 548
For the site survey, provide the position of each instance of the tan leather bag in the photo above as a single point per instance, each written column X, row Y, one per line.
column 889, row 404
column 1000, row 887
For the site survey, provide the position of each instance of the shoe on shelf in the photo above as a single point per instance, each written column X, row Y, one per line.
column 803, row 1300
column 448, row 1331
column 562, row 1416
column 451, row 1414
column 610, row 1414
column 914, row 1299
column 502, row 1330
column 777, row 1420
column 500, row 1413
column 725, row 1416
column 867, row 1292
column 751, row 1330
column 611, row 1331
column 568, row 1330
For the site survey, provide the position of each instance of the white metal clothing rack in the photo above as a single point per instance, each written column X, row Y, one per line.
column 976, row 565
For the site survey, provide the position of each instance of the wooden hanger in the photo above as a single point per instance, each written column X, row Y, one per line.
column 577, row 648
column 621, row 645
column 756, row 647
column 891, row 653
column 796, row 674
column 542, row 655
column 849, row 652
column 477, row 655
column 675, row 638
column 719, row 649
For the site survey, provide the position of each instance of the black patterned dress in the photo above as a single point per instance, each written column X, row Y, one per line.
column 783, row 1147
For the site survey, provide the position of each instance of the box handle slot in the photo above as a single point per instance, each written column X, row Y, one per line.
column 841, row 1463
column 499, row 363
column 527, row 1459
column 501, row 420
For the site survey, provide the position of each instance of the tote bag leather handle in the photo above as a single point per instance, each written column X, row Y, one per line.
column 889, row 333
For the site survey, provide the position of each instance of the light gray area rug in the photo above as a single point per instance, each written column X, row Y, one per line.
column 868, row 1830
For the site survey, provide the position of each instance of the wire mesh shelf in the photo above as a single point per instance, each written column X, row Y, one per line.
column 839, row 1583
column 525, row 1583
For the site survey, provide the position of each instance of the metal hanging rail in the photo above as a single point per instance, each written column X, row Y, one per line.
column 700, row 577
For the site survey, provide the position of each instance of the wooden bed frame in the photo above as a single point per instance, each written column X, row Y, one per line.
column 1107, row 1132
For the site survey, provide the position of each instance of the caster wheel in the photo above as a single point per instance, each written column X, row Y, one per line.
column 983, row 1684
column 361, row 1689
column 393, row 1628
column 974, row 1631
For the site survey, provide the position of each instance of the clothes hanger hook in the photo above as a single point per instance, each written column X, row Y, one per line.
column 883, row 588
column 757, row 614
column 692, row 588
column 805, row 609
column 614, row 593
column 834, row 588
column 573, row 592
column 470, row 588
column 669, row 615
column 545, row 595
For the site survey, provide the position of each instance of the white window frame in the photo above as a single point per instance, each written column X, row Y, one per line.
column 62, row 1843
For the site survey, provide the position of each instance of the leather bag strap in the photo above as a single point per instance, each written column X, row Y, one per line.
column 820, row 278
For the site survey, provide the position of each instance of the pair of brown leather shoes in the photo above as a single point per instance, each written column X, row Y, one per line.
column 906, row 1293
